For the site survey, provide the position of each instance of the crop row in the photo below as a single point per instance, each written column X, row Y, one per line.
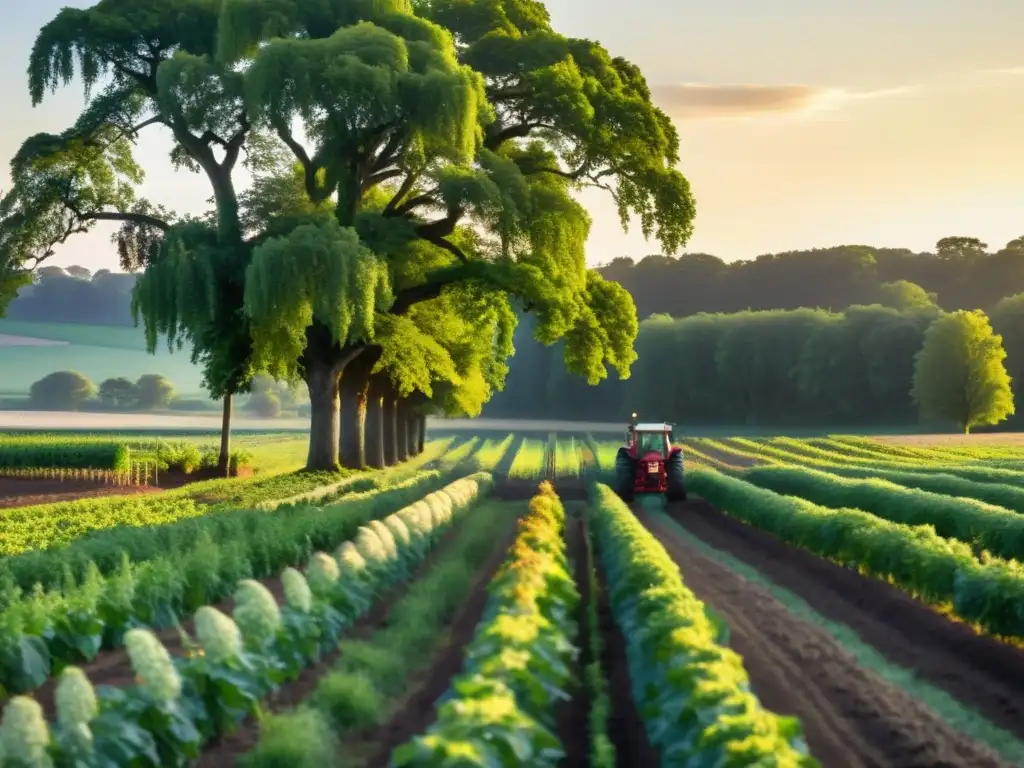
column 146, row 527
column 986, row 527
column 986, row 591
column 977, row 472
column 180, row 704
column 692, row 692
column 504, row 712
column 40, row 633
column 370, row 681
column 528, row 463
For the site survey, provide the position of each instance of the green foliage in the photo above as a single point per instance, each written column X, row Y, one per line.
column 903, row 296
column 154, row 391
column 63, row 390
column 265, row 404
column 941, row 572
column 984, row 526
column 317, row 272
column 959, row 373
column 199, row 561
column 502, row 708
column 118, row 393
column 694, row 712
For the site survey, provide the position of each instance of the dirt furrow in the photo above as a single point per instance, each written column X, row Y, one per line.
column 573, row 714
column 979, row 671
column 851, row 716
column 625, row 728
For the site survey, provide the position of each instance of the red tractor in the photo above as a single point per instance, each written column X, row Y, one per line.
column 648, row 463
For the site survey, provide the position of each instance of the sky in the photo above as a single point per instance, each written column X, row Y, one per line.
column 803, row 123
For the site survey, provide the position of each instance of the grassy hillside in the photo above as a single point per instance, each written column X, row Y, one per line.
column 97, row 351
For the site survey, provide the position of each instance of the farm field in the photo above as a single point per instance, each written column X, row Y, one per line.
column 853, row 602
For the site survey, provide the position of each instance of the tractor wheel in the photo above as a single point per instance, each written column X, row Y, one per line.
column 676, row 479
column 624, row 474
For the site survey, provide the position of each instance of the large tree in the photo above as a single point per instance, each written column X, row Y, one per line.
column 145, row 65
column 450, row 140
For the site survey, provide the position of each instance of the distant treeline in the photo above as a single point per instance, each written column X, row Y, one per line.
column 778, row 368
column 962, row 273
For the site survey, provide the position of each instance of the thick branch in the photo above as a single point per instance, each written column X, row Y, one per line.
column 373, row 180
column 406, row 186
column 233, row 146
column 143, row 219
column 308, row 169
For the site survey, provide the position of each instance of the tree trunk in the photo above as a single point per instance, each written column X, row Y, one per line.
column 421, row 434
column 375, row 424
column 355, row 392
column 390, row 414
column 323, row 381
column 402, row 431
column 413, row 422
column 224, row 462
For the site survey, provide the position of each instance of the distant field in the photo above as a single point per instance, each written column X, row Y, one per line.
column 29, row 351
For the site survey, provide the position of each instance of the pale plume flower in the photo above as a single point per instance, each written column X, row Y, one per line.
column 152, row 665
column 24, row 736
column 218, row 635
column 75, row 698
column 296, row 590
column 256, row 612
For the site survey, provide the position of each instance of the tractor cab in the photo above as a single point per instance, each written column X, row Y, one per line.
column 648, row 463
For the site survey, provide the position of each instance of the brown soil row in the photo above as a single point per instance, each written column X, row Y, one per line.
column 26, row 492
column 851, row 716
column 573, row 714
column 976, row 669
column 625, row 728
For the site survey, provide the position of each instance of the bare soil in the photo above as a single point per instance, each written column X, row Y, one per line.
column 851, row 716
column 625, row 728
column 573, row 714
column 26, row 492
column 416, row 713
column 978, row 670
column 17, row 492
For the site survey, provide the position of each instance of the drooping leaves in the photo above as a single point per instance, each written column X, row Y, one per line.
column 317, row 272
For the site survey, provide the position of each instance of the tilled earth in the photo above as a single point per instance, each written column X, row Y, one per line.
column 851, row 716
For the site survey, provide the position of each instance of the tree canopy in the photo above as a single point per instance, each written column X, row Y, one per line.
column 434, row 152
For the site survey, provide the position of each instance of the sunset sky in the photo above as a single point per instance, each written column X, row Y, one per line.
column 804, row 123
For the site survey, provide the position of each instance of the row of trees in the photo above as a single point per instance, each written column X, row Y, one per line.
column 794, row 367
column 414, row 176
column 71, row 390
column 962, row 272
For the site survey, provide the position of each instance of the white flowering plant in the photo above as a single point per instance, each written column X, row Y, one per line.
column 224, row 682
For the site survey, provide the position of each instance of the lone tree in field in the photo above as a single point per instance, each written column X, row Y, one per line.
column 959, row 373
column 449, row 141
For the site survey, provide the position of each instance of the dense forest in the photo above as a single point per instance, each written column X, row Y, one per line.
column 769, row 368
column 963, row 273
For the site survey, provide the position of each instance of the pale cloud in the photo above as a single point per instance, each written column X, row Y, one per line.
column 1003, row 71
column 699, row 101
